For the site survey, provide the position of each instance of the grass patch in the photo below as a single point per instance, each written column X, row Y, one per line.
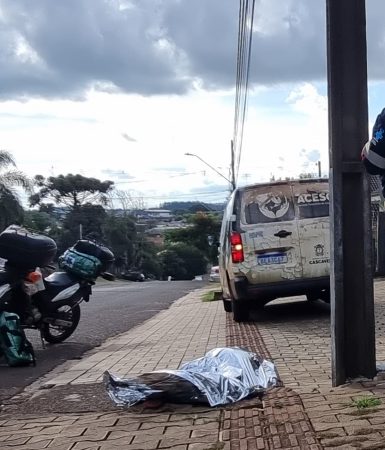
column 366, row 402
column 210, row 296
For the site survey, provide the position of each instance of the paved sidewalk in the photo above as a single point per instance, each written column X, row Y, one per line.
column 185, row 331
column 69, row 409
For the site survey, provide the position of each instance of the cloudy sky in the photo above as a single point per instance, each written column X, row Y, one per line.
column 122, row 89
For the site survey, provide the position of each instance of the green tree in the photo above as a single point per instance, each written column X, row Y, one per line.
column 83, row 196
column 305, row 175
column 172, row 265
column 40, row 221
column 120, row 235
column 86, row 220
column 182, row 261
column 11, row 210
column 71, row 190
column 202, row 233
column 150, row 263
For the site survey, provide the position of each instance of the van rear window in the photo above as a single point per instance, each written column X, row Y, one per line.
column 312, row 204
column 268, row 207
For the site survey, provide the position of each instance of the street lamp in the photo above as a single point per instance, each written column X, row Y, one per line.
column 212, row 168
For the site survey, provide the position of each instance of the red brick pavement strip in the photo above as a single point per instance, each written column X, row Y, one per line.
column 280, row 422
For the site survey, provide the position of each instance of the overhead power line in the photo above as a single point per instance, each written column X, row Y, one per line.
column 183, row 174
column 245, row 35
column 166, row 196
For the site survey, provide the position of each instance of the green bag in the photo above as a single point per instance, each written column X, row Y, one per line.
column 86, row 266
column 15, row 346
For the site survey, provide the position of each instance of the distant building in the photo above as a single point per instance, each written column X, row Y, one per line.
column 200, row 207
column 154, row 214
column 156, row 234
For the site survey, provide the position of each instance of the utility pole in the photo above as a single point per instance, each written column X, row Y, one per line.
column 319, row 169
column 352, row 306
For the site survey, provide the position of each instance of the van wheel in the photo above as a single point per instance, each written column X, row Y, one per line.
column 227, row 305
column 240, row 310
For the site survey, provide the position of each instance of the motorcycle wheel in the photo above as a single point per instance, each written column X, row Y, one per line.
column 54, row 334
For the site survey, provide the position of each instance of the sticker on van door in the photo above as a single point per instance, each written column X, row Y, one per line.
column 312, row 204
column 319, row 258
column 269, row 207
column 273, row 206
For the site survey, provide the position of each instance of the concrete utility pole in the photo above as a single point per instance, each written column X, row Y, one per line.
column 352, row 316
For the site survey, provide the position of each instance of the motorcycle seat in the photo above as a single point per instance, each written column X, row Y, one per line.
column 58, row 281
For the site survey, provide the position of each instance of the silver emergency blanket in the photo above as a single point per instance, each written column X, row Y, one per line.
column 223, row 375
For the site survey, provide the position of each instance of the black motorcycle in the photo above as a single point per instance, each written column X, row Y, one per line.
column 49, row 303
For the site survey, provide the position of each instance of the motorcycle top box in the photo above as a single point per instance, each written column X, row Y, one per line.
column 22, row 248
column 104, row 255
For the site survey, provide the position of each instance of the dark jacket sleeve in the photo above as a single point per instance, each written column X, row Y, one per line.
column 380, row 122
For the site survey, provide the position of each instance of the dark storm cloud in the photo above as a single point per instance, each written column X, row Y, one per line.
column 289, row 40
column 79, row 43
column 62, row 48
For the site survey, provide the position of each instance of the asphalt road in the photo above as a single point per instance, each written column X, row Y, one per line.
column 114, row 308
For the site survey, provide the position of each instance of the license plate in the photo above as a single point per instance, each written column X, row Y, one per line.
column 276, row 258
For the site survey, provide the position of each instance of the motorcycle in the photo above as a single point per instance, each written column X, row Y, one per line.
column 47, row 300
column 50, row 305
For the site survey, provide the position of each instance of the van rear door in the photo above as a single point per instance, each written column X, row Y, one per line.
column 312, row 205
column 270, row 234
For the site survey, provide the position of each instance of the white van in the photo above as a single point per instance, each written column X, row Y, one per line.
column 274, row 242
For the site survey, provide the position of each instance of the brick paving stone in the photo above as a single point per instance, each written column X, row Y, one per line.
column 28, row 446
column 5, row 437
column 203, row 446
column 15, row 441
column 85, row 446
column 121, row 434
column 70, row 446
column 145, row 442
column 19, row 433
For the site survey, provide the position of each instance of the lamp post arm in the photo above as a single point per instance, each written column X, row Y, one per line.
column 211, row 167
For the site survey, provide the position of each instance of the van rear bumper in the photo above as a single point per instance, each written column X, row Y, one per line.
column 243, row 290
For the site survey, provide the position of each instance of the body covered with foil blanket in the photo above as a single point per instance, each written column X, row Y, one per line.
column 223, row 375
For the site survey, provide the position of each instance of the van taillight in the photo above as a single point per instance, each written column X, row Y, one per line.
column 236, row 248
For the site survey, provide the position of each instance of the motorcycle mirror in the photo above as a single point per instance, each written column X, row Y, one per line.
column 108, row 276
